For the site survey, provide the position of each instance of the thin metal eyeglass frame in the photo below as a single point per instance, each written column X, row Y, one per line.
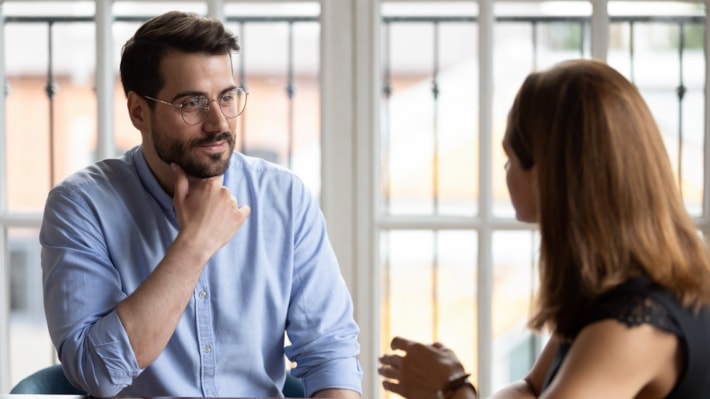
column 207, row 110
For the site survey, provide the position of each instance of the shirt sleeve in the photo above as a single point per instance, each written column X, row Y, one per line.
column 81, row 292
column 321, row 327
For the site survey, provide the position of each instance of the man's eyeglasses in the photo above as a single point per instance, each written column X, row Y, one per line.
column 194, row 109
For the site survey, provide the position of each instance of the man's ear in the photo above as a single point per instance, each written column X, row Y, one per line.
column 138, row 110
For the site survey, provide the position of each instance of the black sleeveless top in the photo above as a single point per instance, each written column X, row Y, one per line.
column 641, row 301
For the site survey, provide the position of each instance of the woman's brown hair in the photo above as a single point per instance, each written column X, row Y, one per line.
column 609, row 206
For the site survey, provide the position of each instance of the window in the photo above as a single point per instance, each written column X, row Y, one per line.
column 454, row 268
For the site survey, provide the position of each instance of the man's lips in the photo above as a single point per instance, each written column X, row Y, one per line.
column 214, row 146
column 218, row 143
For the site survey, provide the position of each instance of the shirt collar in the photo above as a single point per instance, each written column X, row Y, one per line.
column 151, row 183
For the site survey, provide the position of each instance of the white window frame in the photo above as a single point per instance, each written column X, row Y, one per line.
column 350, row 98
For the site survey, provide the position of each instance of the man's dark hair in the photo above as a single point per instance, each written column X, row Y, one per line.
column 173, row 31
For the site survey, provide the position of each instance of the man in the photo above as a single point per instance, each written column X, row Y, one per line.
column 176, row 269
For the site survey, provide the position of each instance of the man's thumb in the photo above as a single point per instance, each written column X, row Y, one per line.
column 181, row 185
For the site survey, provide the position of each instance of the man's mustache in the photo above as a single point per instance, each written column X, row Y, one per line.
column 226, row 136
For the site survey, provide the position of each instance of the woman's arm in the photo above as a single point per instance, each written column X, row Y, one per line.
column 609, row 359
column 531, row 386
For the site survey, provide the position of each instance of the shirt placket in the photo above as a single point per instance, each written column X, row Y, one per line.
column 205, row 337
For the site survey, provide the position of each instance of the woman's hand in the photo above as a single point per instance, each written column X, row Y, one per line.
column 421, row 372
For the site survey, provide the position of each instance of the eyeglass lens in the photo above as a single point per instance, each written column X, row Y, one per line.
column 231, row 103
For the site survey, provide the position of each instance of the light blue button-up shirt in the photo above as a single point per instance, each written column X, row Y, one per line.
column 105, row 229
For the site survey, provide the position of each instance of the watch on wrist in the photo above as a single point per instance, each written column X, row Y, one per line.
column 454, row 384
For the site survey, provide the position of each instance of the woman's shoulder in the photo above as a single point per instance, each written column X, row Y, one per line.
column 640, row 301
column 614, row 361
column 640, row 325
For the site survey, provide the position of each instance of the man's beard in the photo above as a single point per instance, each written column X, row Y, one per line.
column 181, row 154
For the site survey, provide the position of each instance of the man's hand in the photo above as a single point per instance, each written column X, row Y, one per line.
column 207, row 212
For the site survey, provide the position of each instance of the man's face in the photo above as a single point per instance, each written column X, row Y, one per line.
column 203, row 149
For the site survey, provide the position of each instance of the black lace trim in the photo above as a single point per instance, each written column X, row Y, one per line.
column 636, row 309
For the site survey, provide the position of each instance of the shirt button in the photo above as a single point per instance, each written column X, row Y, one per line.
column 203, row 294
column 208, row 349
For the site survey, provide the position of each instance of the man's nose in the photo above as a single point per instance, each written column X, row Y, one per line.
column 215, row 119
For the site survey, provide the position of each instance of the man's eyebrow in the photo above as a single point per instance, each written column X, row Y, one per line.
column 192, row 93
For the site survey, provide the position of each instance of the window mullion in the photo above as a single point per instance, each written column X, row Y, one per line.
column 486, row 22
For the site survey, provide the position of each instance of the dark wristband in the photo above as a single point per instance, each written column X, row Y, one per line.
column 454, row 384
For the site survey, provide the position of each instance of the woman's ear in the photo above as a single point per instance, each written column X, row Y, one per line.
column 138, row 110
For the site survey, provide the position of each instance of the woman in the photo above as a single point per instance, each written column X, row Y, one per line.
column 624, row 274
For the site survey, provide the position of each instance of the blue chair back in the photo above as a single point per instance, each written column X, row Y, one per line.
column 52, row 381
column 293, row 387
column 47, row 381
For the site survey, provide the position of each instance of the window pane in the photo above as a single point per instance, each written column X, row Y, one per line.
column 670, row 36
column 30, row 346
column 514, row 281
column 125, row 134
column 429, row 289
column 51, row 116
column 282, row 119
column 456, row 297
column 150, row 8
column 430, row 138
